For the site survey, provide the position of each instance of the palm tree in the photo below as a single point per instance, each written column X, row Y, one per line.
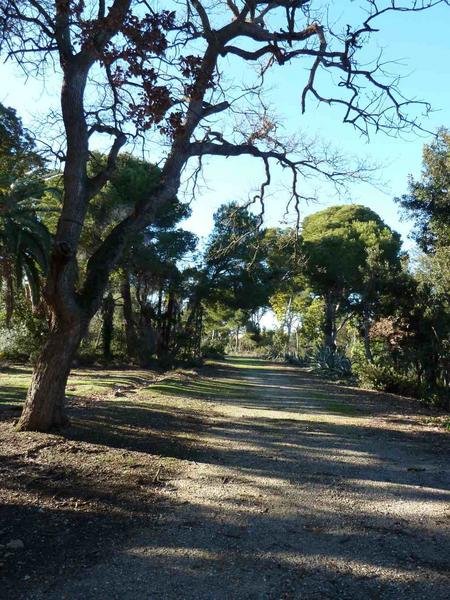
column 24, row 239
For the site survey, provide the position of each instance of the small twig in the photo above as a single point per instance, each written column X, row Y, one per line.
column 156, row 477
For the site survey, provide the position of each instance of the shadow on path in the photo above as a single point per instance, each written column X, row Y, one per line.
column 298, row 489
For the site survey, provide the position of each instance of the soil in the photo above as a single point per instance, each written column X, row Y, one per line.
column 250, row 480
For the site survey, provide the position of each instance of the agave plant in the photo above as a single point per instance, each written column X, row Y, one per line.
column 333, row 361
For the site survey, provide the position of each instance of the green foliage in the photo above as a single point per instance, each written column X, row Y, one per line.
column 336, row 243
column 387, row 378
column 235, row 272
column 23, row 338
column 274, row 343
column 24, row 239
column 424, row 306
column 213, row 349
column 433, row 270
column 14, row 342
column 17, row 149
column 248, row 343
column 131, row 184
column 333, row 361
column 428, row 200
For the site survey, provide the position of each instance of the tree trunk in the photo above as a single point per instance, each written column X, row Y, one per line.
column 71, row 310
column 9, row 291
column 289, row 317
column 44, row 405
column 147, row 343
column 431, row 370
column 167, row 326
column 330, row 329
column 128, row 315
column 147, row 337
column 199, row 331
column 108, row 324
column 367, row 349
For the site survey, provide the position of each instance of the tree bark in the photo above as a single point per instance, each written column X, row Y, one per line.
column 166, row 328
column 330, row 328
column 367, row 349
column 289, row 317
column 9, row 291
column 44, row 405
column 108, row 324
column 128, row 315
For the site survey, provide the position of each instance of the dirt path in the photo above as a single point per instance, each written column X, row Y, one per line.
column 298, row 489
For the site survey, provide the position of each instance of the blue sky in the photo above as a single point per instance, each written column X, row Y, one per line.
column 422, row 43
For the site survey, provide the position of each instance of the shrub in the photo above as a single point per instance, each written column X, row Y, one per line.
column 247, row 344
column 19, row 343
column 213, row 349
column 387, row 379
column 275, row 343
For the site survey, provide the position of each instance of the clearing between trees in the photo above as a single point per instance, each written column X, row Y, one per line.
column 248, row 479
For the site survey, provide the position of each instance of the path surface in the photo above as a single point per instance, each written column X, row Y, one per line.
column 297, row 489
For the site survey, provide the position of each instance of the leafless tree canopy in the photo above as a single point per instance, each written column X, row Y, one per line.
column 177, row 68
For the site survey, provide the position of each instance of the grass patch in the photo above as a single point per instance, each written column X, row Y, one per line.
column 83, row 383
column 217, row 389
column 341, row 408
column 443, row 422
column 247, row 362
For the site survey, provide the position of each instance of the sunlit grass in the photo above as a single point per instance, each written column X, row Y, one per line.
column 244, row 363
column 14, row 382
column 343, row 409
column 203, row 388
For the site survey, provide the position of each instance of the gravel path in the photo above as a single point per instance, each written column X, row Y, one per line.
column 297, row 489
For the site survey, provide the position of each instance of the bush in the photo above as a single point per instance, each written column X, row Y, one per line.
column 86, row 358
column 18, row 343
column 387, row 379
column 274, row 344
column 213, row 349
column 248, row 345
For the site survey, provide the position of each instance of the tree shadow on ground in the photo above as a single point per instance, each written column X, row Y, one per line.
column 329, row 544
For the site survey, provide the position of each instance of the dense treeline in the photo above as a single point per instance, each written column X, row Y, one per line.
column 345, row 297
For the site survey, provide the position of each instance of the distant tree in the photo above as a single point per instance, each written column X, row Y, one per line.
column 17, row 148
column 350, row 255
column 426, row 310
column 282, row 248
column 428, row 200
column 236, row 273
column 148, row 266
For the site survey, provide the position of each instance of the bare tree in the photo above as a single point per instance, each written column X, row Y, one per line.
column 168, row 73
